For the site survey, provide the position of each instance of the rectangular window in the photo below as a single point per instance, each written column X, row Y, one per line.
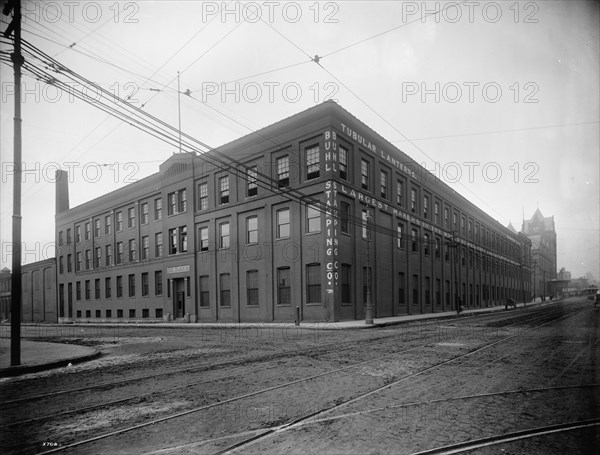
column 97, row 288
column 413, row 200
column 414, row 240
column 252, row 287
column 107, row 225
column 284, row 296
column 183, row 239
column 312, row 162
column 400, row 235
column 344, row 217
column 158, row 283
column 97, row 227
column 426, row 244
column 97, row 257
column 69, row 261
column 119, row 313
column 87, row 289
column 182, row 201
column 252, row 229
column 427, row 290
column 383, row 184
column 364, row 174
column 313, row 219
column 400, row 193
column 224, row 236
column 88, row 259
column 68, row 236
column 77, row 234
column 346, row 278
column 252, row 189
column 78, row 290
column 425, row 206
column 119, row 286
column 107, row 288
column 87, row 231
column 131, row 285
column 158, row 244
column 119, row 222
column 438, row 292
column 446, row 220
column 132, row 251
column 78, row 265
column 145, row 284
column 145, row 247
column 172, row 201
column 144, row 207
column 313, row 283
column 224, row 190
column 108, row 313
column 436, row 212
column 204, row 291
column 98, row 313
column 225, row 289
column 203, row 237
column 131, row 217
column 177, row 201
column 120, row 252
column 343, row 161
column 202, row 196
column 283, row 171
column 283, row 223
column 415, row 288
column 173, row 241
column 438, row 247
column 60, row 238
column 158, row 209
column 61, row 265
column 401, row 289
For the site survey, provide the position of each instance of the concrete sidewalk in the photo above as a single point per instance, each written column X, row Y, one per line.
column 38, row 356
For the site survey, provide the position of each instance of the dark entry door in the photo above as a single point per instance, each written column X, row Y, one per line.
column 178, row 298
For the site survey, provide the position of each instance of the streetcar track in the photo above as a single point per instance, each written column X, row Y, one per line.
column 298, row 421
column 240, row 362
column 510, row 437
column 253, row 433
column 171, row 389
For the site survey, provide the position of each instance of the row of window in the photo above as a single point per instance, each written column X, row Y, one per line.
column 83, row 290
column 158, row 313
column 144, row 217
column 284, row 287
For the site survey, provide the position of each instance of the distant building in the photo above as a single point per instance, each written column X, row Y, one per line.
column 305, row 215
column 542, row 233
column 564, row 275
column 38, row 295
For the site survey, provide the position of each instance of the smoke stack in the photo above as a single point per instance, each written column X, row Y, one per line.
column 62, row 191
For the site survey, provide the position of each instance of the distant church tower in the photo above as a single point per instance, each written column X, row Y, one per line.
column 543, row 250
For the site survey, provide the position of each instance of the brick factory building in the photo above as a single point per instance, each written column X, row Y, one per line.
column 293, row 217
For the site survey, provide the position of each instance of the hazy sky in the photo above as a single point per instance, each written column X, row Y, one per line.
column 499, row 99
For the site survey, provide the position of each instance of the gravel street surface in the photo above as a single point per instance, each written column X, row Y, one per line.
column 522, row 381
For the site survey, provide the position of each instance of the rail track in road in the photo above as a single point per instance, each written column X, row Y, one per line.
column 323, row 350
column 481, row 443
column 336, row 347
column 546, row 318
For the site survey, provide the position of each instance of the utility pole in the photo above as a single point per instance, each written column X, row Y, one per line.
column 369, row 309
column 15, row 304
